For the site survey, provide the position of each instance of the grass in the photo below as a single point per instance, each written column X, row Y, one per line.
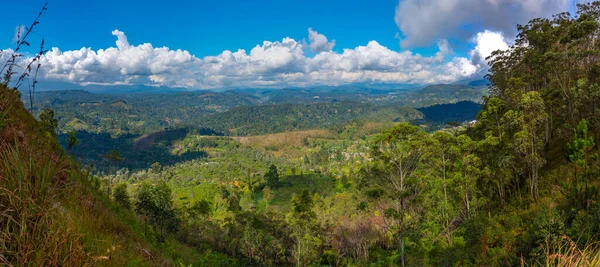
column 568, row 254
column 30, row 210
column 51, row 214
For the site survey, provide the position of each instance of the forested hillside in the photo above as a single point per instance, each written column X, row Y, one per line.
column 286, row 117
column 303, row 108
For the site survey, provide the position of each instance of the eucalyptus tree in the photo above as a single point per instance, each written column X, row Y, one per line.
column 529, row 139
column 396, row 186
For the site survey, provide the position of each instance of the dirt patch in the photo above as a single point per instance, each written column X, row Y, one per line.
column 279, row 140
column 146, row 141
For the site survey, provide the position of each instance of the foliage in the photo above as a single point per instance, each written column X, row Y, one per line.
column 49, row 123
column 155, row 204
column 272, row 176
column 72, row 140
column 121, row 195
column 511, row 188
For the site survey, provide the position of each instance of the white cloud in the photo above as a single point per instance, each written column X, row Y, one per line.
column 486, row 43
column 319, row 42
column 124, row 64
column 444, row 47
column 122, row 42
column 424, row 21
column 271, row 64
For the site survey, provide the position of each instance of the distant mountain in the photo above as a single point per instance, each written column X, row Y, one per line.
column 484, row 82
column 110, row 89
column 441, row 88
column 443, row 93
column 96, row 88
column 475, row 81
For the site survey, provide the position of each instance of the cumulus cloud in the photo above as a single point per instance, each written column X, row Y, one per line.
column 486, row 43
column 319, row 42
column 424, row 21
column 259, row 67
column 281, row 64
column 270, row 64
column 124, row 64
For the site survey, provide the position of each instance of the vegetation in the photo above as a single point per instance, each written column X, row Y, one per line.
column 52, row 213
column 241, row 112
column 322, row 183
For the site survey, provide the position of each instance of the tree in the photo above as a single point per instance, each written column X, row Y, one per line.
column 155, row 204
column 492, row 116
column 442, row 153
column 114, row 156
column 72, row 140
column 200, row 208
column 156, row 167
column 272, row 176
column 267, row 195
column 580, row 152
column 468, row 165
column 164, row 216
column 121, row 195
column 144, row 202
column 302, row 220
column 47, row 120
column 397, row 154
column 529, row 140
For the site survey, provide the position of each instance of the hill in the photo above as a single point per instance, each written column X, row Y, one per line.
column 253, row 120
column 54, row 214
column 144, row 113
column 139, row 113
column 440, row 115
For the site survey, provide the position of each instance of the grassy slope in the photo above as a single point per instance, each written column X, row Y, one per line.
column 52, row 214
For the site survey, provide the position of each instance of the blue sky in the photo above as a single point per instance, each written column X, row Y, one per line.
column 387, row 41
column 207, row 27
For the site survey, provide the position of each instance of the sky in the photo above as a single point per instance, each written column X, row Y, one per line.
column 267, row 43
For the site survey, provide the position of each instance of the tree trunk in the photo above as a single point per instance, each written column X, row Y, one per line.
column 402, row 250
column 446, row 202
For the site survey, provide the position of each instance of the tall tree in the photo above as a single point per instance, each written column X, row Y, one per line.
column 272, row 176
column 304, row 226
column 580, row 152
column 442, row 152
column 468, row 164
column 529, row 140
column 397, row 154
column 144, row 202
column 164, row 216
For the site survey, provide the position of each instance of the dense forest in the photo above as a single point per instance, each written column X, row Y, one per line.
column 249, row 179
column 286, row 109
